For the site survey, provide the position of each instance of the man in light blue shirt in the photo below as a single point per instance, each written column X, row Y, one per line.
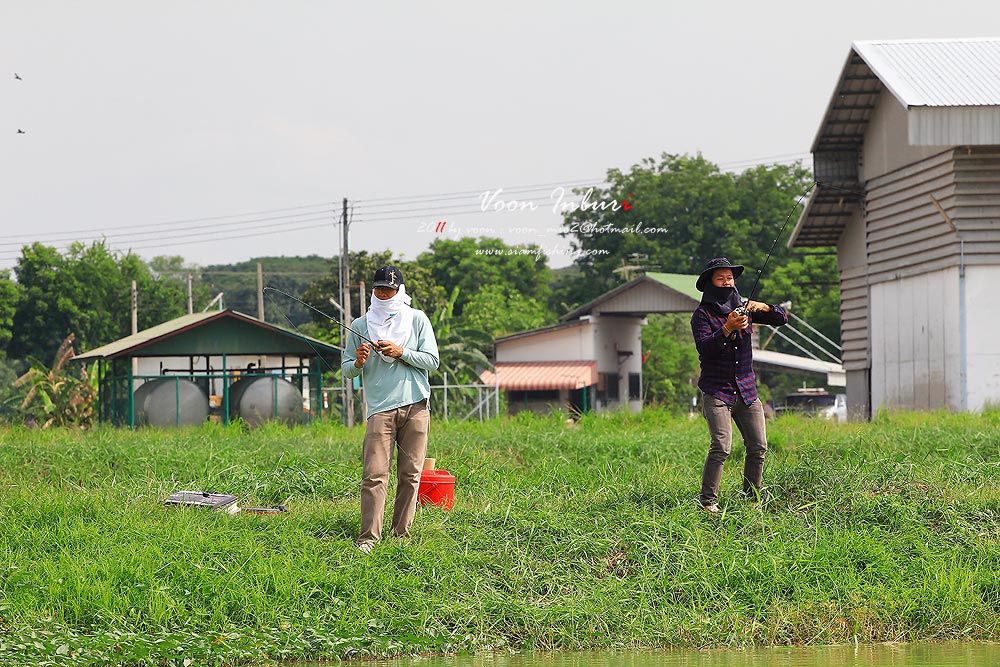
column 397, row 389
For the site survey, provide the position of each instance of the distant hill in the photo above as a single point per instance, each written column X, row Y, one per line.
column 238, row 283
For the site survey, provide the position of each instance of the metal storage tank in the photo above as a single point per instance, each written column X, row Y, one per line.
column 258, row 399
column 170, row 401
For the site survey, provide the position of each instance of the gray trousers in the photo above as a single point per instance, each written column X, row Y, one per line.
column 406, row 427
column 750, row 421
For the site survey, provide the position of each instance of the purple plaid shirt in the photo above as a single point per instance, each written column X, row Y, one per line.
column 727, row 364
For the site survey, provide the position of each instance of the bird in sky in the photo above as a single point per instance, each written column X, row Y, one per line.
column 17, row 77
column 20, row 131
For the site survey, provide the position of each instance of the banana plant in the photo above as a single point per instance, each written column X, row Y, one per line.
column 56, row 396
column 461, row 349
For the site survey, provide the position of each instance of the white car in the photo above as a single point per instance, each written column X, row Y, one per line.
column 818, row 402
column 837, row 411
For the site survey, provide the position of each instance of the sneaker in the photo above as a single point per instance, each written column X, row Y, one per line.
column 366, row 547
column 711, row 509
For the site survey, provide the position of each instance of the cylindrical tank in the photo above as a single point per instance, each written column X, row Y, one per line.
column 169, row 402
column 258, row 399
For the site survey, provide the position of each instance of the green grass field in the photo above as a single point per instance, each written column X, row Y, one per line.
column 564, row 536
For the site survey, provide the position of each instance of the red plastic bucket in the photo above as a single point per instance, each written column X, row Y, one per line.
column 437, row 487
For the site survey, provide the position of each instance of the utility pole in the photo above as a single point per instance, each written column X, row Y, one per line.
column 345, row 287
column 135, row 328
column 260, row 292
column 190, row 294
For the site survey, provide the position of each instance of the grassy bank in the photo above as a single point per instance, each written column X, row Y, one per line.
column 563, row 536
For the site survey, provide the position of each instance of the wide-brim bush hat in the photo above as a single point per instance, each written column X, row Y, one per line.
column 717, row 263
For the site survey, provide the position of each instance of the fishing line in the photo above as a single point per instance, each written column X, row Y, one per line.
column 760, row 271
column 310, row 307
column 304, row 337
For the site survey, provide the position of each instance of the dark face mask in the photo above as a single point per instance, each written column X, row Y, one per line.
column 722, row 300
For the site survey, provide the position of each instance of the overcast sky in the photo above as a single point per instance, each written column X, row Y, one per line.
column 222, row 131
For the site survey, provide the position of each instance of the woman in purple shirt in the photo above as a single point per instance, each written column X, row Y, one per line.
column 722, row 334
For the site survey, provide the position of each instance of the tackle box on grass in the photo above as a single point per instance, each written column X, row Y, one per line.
column 220, row 502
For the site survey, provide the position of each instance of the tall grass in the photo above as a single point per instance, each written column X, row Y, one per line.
column 564, row 536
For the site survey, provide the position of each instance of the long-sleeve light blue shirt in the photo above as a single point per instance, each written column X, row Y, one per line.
column 392, row 385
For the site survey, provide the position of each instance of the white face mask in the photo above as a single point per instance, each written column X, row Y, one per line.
column 391, row 319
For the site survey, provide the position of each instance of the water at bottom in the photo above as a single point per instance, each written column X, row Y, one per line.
column 852, row 655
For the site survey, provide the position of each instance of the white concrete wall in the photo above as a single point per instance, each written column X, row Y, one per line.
column 570, row 344
column 616, row 334
column 916, row 345
column 983, row 326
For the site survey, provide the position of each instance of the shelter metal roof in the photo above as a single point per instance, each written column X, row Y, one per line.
column 227, row 332
column 835, row 374
column 542, row 375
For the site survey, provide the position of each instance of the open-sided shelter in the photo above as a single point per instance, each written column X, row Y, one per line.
column 214, row 365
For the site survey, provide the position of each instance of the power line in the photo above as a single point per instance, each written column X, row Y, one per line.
column 101, row 233
column 378, row 209
column 189, row 220
column 201, row 238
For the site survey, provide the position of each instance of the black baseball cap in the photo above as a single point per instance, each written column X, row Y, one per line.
column 388, row 276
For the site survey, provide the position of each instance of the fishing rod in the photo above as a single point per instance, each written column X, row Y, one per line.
column 743, row 310
column 313, row 308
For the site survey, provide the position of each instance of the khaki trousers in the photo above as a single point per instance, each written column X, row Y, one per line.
column 406, row 427
column 750, row 420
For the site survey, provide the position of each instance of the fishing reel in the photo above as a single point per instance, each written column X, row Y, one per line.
column 742, row 311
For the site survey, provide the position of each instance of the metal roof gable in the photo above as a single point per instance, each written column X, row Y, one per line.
column 950, row 89
column 232, row 333
column 680, row 283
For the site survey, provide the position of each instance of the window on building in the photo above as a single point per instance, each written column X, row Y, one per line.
column 634, row 386
column 607, row 387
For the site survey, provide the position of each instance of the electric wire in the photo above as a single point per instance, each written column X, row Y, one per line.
column 252, row 223
column 191, row 220
column 202, row 238
column 269, row 222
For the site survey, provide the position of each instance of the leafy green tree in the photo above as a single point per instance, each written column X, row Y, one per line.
column 461, row 349
column 498, row 310
column 471, row 264
column 87, row 292
column 238, row 284
column 10, row 296
column 670, row 361
column 811, row 285
column 687, row 211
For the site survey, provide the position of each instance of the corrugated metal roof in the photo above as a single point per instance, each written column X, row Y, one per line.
column 950, row 89
column 679, row 282
column 542, row 375
column 937, row 72
column 146, row 335
column 166, row 330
